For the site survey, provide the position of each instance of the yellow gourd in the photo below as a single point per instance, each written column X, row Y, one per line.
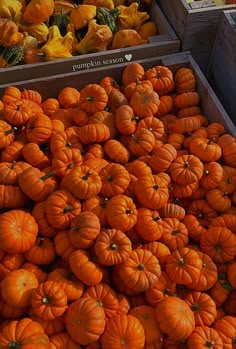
column 81, row 15
column 63, row 6
column 10, row 9
column 57, row 46
column 9, row 34
column 98, row 38
column 38, row 11
column 38, row 30
column 109, row 4
column 130, row 17
column 127, row 37
column 147, row 29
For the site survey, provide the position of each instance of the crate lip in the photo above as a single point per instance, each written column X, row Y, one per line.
column 205, row 9
column 230, row 16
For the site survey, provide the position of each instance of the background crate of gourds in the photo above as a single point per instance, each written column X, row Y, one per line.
column 72, row 33
column 196, row 24
column 222, row 66
column 117, row 210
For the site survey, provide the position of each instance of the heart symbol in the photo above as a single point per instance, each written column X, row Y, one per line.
column 128, row 57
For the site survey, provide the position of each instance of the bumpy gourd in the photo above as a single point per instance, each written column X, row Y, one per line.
column 61, row 20
column 130, row 17
column 81, row 15
column 38, row 30
column 97, row 38
column 38, row 11
column 108, row 17
column 57, row 46
column 10, row 56
column 10, row 9
column 9, row 34
column 126, row 38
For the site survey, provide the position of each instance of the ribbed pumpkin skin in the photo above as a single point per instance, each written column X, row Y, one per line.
column 175, row 318
column 85, row 321
column 25, row 333
column 123, row 330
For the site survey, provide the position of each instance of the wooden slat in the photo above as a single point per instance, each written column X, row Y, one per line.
column 164, row 43
column 222, row 66
column 49, row 87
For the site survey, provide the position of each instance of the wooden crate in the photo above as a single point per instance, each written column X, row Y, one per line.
column 210, row 105
column 222, row 67
column 196, row 25
column 164, row 43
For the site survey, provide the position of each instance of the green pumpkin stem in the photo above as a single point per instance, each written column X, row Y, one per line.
column 13, row 164
column 175, row 232
column 113, row 246
column 141, row 266
column 12, row 130
column 67, row 209
column 195, row 307
column 46, row 300
column 14, row 345
column 48, row 175
column 210, row 344
column 41, row 241
column 86, row 176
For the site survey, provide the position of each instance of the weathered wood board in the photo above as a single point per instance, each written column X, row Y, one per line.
column 222, row 66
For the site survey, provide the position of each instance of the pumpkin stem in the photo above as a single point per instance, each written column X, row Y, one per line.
column 209, row 344
column 70, row 165
column 128, row 211
column 141, row 266
column 48, row 175
column 135, row 118
column 113, row 246
column 206, row 172
column 200, row 215
column 14, row 345
column 67, row 209
column 46, row 300
column 175, row 232
column 156, row 219
column 13, row 129
column 86, row 176
column 68, row 144
column 104, row 202
column 181, row 261
column 211, row 140
column 76, row 228
column 135, row 138
column 90, row 98
column 109, row 178
column 218, row 247
column 13, row 164
column 186, row 164
column 99, row 302
column 41, row 241
column 156, row 187
column 195, row 307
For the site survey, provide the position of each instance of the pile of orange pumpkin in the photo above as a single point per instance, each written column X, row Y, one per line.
column 118, row 217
